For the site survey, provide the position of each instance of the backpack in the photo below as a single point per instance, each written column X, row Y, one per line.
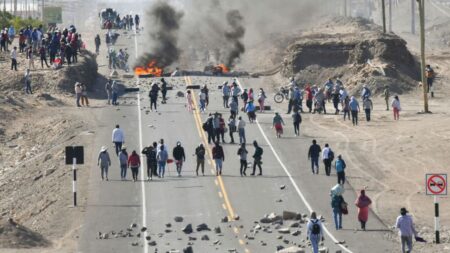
column 315, row 228
column 331, row 155
column 205, row 126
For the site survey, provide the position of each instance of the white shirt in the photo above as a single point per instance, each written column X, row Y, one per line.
column 325, row 153
column 310, row 226
column 202, row 96
column 241, row 124
column 118, row 135
column 396, row 104
column 14, row 54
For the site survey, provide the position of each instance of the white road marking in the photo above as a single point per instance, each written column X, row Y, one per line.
column 297, row 189
column 144, row 205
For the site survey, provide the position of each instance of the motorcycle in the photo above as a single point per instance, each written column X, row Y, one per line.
column 282, row 93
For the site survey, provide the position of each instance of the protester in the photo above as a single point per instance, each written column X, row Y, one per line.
column 28, row 82
column 123, row 161
column 150, row 153
column 313, row 155
column 297, row 120
column 231, row 128
column 368, row 107
column 219, row 157
column 84, row 98
column 250, row 110
column 97, row 44
column 189, row 102
column 365, row 93
column 363, row 202
column 429, row 74
column 43, row 56
column 235, row 92
column 336, row 204
column 134, row 162
column 314, row 232
column 327, row 157
column 104, row 162
column 202, row 99
column 336, row 98
column 340, row 166
column 153, row 94
column 354, row 107
column 242, row 153
column 30, row 57
column 118, row 138
column 278, row 123
column 179, row 156
column 241, row 130
column 162, row 156
column 233, row 108
column 244, row 97
column 13, row 56
column 205, row 90
column 115, row 92
column 406, row 230
column 261, row 99
column 396, row 107
column 346, row 108
column 78, row 91
column 216, row 127
column 225, row 94
column 309, row 97
column 200, row 153
column 108, row 89
column 257, row 157
column 164, row 90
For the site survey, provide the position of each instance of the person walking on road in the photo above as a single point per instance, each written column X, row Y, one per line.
column 13, row 56
column 164, row 90
column 97, row 44
column 242, row 153
column 235, row 92
column 396, row 107
column 241, row 130
column 314, row 232
column 150, row 153
column 219, row 157
column 104, row 162
column 340, row 166
column 250, row 109
column 123, row 161
column 336, row 204
column 216, row 127
column 153, row 94
column 278, row 123
column 354, row 108
column 406, row 230
column 27, row 78
column 261, row 99
column 115, row 92
column 179, row 156
column 368, row 107
column 108, row 89
column 189, row 103
column 202, row 99
column 78, row 92
column 205, row 90
column 84, row 98
column 231, row 128
column 346, row 107
column 386, row 94
column 313, row 155
column 118, row 138
column 363, row 202
column 327, row 157
column 208, row 128
column 257, row 157
column 134, row 162
column 297, row 120
column 234, row 110
column 225, row 94
column 429, row 74
column 200, row 154
column 162, row 156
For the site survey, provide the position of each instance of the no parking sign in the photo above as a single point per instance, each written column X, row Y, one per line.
column 436, row 184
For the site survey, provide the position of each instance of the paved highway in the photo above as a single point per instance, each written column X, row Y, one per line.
column 114, row 205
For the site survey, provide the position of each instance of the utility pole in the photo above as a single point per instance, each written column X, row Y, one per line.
column 4, row 5
column 422, row 54
column 383, row 14
column 390, row 15
column 345, row 8
column 413, row 16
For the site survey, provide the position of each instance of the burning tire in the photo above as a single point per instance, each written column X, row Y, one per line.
column 278, row 98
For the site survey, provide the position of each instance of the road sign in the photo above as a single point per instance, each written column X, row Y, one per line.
column 74, row 152
column 436, row 184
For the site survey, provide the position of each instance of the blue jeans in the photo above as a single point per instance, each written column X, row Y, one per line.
column 315, row 161
column 242, row 135
column 337, row 219
column 315, row 239
column 202, row 105
column 218, row 164
column 162, row 168
column 123, row 171
column 114, row 98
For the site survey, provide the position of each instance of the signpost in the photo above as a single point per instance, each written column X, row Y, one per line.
column 436, row 185
column 74, row 155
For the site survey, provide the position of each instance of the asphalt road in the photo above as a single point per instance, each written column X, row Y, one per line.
column 114, row 205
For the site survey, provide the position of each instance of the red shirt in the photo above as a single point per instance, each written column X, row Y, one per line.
column 134, row 161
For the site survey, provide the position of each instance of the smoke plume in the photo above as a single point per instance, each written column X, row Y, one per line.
column 164, row 25
column 234, row 36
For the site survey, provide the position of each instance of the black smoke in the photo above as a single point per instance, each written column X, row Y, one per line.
column 234, row 36
column 164, row 24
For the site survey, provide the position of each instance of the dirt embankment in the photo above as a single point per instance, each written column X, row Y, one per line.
column 356, row 51
column 35, row 185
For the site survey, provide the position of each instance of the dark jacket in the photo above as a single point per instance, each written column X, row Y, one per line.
column 258, row 153
column 217, row 153
column 314, row 150
column 297, row 118
column 178, row 153
column 150, row 154
column 336, row 203
column 200, row 153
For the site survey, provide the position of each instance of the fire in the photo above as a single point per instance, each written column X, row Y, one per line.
column 224, row 68
column 150, row 69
